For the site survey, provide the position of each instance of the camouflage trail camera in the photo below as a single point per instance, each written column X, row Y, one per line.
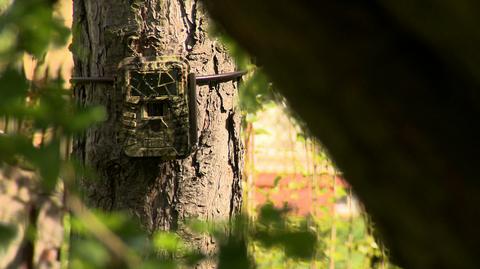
column 159, row 115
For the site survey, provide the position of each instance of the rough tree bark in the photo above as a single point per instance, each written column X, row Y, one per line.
column 207, row 184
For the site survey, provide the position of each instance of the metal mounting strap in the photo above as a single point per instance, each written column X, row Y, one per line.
column 200, row 80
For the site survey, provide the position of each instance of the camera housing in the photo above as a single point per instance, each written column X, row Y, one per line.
column 159, row 117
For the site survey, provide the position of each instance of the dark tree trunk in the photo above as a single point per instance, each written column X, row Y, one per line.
column 205, row 185
column 391, row 89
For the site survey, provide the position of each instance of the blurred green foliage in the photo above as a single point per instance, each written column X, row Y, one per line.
column 32, row 26
column 116, row 240
column 41, row 104
column 37, row 106
column 168, row 250
column 7, row 233
column 354, row 246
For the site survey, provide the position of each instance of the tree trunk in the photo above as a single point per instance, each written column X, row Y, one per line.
column 391, row 89
column 204, row 185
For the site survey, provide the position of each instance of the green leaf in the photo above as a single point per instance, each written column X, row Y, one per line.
column 7, row 233
column 84, row 118
column 299, row 244
column 170, row 242
column 276, row 181
column 88, row 253
column 47, row 160
column 262, row 131
column 271, row 216
column 13, row 89
column 234, row 255
column 36, row 26
column 254, row 92
column 13, row 146
column 200, row 227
